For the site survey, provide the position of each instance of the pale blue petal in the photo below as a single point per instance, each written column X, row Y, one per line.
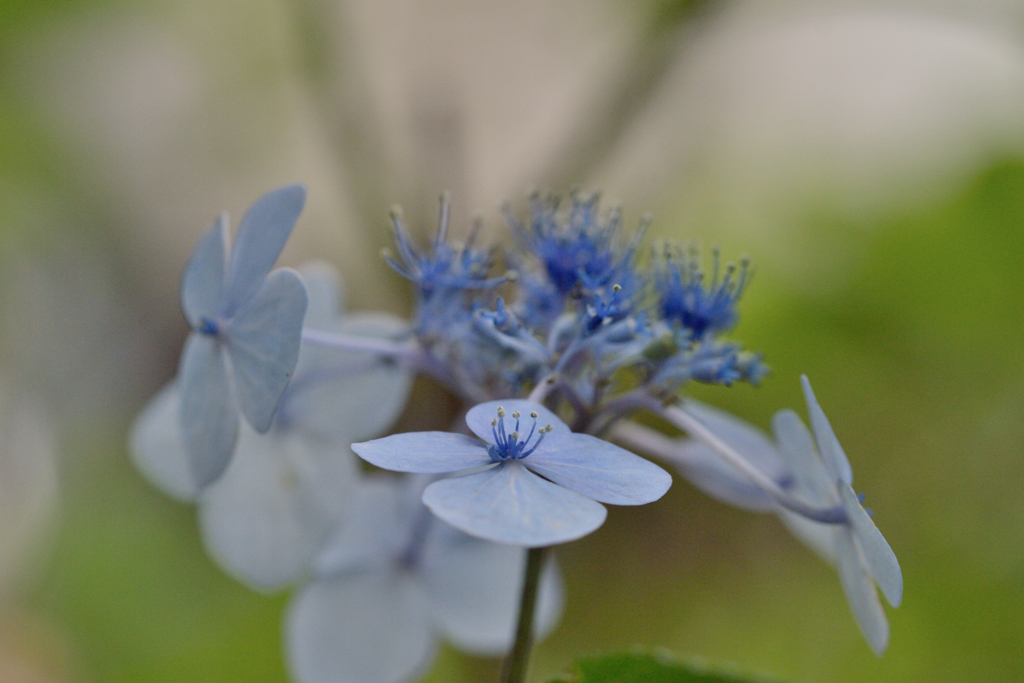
column 812, row 482
column 709, row 472
column 474, row 589
column 343, row 395
column 424, row 452
column 598, row 470
column 378, row 524
column 157, row 449
column 203, row 281
column 323, row 284
column 263, row 342
column 363, row 627
column 509, row 504
column 275, row 506
column 828, row 445
column 819, row 537
column 704, row 468
column 861, row 594
column 878, row 556
column 479, row 417
column 261, row 236
column 208, row 417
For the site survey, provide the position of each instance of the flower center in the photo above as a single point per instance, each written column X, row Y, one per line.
column 208, row 327
column 507, row 444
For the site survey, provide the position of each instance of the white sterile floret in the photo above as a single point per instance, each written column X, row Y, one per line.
column 395, row 581
column 246, row 325
column 815, row 474
column 284, row 492
column 860, row 552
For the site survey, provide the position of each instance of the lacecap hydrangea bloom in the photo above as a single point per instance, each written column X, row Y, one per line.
column 551, row 354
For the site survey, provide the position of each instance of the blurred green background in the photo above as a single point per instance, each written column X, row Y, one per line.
column 868, row 156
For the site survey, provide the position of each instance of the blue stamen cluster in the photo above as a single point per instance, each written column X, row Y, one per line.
column 698, row 306
column 507, row 445
column 443, row 276
column 583, row 308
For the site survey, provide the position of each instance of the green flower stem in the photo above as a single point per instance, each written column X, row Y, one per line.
column 514, row 669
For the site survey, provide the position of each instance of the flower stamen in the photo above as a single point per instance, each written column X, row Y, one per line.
column 509, row 446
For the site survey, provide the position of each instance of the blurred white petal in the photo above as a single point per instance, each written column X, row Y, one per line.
column 263, row 342
column 207, row 414
column 706, row 470
column 819, row 537
column 264, row 229
column 202, row 283
column 156, row 447
column 828, row 445
column 359, row 627
column 377, row 526
column 345, row 395
column 813, row 482
column 878, row 556
column 449, row 108
column 276, row 504
column 860, row 592
column 326, row 297
column 474, row 589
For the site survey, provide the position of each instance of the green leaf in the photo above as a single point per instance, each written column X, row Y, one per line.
column 655, row 666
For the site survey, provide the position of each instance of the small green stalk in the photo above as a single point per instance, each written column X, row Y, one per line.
column 514, row 669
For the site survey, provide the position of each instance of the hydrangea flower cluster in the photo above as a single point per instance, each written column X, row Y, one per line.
column 551, row 353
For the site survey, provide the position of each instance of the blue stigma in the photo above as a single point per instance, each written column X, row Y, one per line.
column 700, row 307
column 208, row 327
column 507, row 445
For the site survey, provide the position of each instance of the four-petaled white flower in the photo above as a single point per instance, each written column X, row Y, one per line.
column 246, row 326
column 819, row 478
column 857, row 547
column 285, row 492
column 508, row 502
